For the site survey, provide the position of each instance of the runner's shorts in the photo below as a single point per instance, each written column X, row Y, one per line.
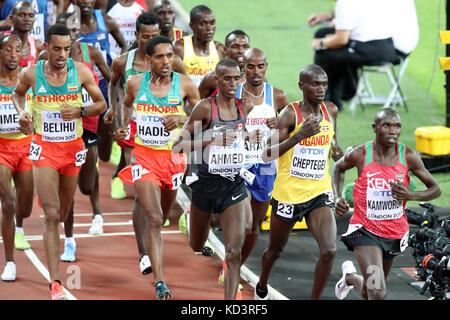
column 296, row 212
column 90, row 138
column 363, row 237
column 262, row 186
column 14, row 154
column 130, row 141
column 65, row 157
column 162, row 167
column 214, row 193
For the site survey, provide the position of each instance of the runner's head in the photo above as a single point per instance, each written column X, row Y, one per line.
column 166, row 15
column 227, row 76
column 387, row 126
column 255, row 66
column 146, row 28
column 203, row 23
column 160, row 55
column 236, row 43
column 23, row 16
column 10, row 51
column 58, row 45
column 86, row 7
column 313, row 81
column 72, row 21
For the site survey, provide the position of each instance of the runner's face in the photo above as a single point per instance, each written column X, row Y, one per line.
column 228, row 81
column 255, row 69
column 59, row 50
column 314, row 87
column 236, row 46
column 388, row 129
column 73, row 24
column 166, row 17
column 11, row 52
column 145, row 33
column 162, row 59
column 23, row 20
column 86, row 6
column 204, row 26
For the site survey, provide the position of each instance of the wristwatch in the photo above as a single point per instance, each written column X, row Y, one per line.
column 83, row 112
column 321, row 45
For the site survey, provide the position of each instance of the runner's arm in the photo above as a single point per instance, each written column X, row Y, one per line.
column 127, row 107
column 178, row 65
column 19, row 93
column 415, row 164
column 99, row 61
column 178, row 48
column 114, row 30
column 337, row 152
column 87, row 81
column 207, row 86
column 113, row 89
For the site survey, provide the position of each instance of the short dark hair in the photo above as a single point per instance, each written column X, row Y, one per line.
column 19, row 4
column 226, row 63
column 198, row 10
column 147, row 18
column 237, row 32
column 153, row 42
column 63, row 16
column 56, row 29
column 3, row 38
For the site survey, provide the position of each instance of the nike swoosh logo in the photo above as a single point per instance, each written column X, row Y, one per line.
column 218, row 128
column 91, row 141
column 234, row 198
column 328, row 202
column 372, row 174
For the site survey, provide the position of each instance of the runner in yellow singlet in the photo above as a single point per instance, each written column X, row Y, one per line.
column 304, row 141
column 199, row 52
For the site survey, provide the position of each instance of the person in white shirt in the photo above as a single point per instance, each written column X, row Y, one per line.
column 359, row 39
column 125, row 12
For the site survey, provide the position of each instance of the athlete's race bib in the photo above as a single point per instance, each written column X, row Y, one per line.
column 35, row 151
column 80, row 157
column 38, row 31
column 87, row 100
column 55, row 129
column 381, row 205
column 309, row 162
column 257, row 120
column 9, row 118
column 151, row 130
column 227, row 160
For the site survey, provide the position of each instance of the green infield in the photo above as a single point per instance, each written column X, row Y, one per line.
column 280, row 29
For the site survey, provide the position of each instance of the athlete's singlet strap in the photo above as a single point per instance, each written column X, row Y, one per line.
column 215, row 108
column 297, row 112
column 369, row 153
column 85, row 54
column 325, row 112
column 402, row 153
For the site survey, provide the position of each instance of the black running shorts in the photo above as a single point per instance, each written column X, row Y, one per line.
column 296, row 212
column 363, row 237
column 214, row 194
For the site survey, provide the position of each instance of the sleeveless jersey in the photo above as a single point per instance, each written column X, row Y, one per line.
column 375, row 208
column 89, row 123
column 198, row 66
column 257, row 119
column 223, row 160
column 47, row 106
column 149, row 109
column 40, row 19
column 9, row 118
column 130, row 71
column 303, row 170
column 126, row 20
column 98, row 38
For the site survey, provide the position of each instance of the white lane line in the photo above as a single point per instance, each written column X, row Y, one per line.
column 246, row 273
column 121, row 223
column 43, row 270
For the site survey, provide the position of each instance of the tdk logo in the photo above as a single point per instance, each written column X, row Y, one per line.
column 312, row 151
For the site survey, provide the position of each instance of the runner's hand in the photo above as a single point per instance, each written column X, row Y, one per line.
column 69, row 113
column 342, row 206
column 170, row 122
column 400, row 191
column 256, row 136
column 337, row 153
column 309, row 128
column 120, row 134
column 108, row 118
column 25, row 122
column 225, row 139
column 271, row 122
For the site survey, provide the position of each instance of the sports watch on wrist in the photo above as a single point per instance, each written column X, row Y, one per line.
column 83, row 112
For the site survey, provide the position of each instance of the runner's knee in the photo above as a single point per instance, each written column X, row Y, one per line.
column 328, row 254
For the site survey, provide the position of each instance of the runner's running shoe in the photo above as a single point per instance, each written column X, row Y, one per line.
column 9, row 274
column 145, row 265
column 260, row 293
column 97, row 225
column 116, row 153
column 162, row 292
column 57, row 291
column 69, row 253
column 20, row 243
column 342, row 289
column 117, row 189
